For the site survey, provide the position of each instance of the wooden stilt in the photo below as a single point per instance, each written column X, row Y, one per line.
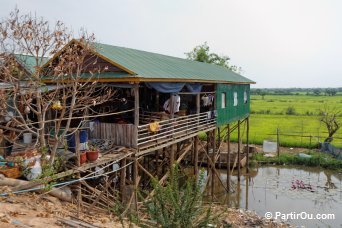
column 172, row 157
column 122, row 178
column 247, row 183
column 156, row 162
column 213, row 140
column 196, row 157
column 247, row 144
column 228, row 157
column 196, row 140
column 135, row 181
column 238, row 155
column 219, row 143
column 208, row 148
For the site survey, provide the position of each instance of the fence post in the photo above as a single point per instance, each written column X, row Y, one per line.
column 278, row 149
column 310, row 141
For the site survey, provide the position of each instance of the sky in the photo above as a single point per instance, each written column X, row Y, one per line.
column 278, row 43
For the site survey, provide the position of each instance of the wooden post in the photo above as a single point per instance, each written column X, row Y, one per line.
column 219, row 143
column 247, row 183
column 172, row 114
column 213, row 164
column 78, row 156
column 238, row 152
column 122, row 178
column 135, row 182
column 157, row 101
column 208, row 148
column 136, row 105
column 278, row 146
column 172, row 156
column 228, row 157
column 247, row 144
column 196, row 141
column 157, row 163
column 196, row 157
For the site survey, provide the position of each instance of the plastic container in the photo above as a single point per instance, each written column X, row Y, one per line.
column 71, row 140
column 27, row 138
column 269, row 146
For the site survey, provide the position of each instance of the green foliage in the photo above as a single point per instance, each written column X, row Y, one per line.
column 290, row 110
column 179, row 205
column 201, row 53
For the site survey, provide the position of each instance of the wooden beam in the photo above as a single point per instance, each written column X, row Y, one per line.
column 136, row 105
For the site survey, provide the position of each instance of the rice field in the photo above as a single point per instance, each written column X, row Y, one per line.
column 299, row 126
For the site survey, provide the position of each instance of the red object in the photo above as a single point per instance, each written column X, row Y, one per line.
column 83, row 158
column 92, row 155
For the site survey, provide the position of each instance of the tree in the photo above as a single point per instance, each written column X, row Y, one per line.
column 329, row 117
column 316, row 92
column 28, row 103
column 330, row 91
column 201, row 53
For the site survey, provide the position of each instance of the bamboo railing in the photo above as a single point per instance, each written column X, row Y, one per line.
column 172, row 130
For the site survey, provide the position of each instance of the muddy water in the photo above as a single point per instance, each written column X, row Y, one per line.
column 288, row 190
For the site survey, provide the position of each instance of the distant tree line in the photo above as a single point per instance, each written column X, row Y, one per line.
column 296, row 91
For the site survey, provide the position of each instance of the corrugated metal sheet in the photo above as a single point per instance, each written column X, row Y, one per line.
column 157, row 66
column 232, row 113
column 29, row 62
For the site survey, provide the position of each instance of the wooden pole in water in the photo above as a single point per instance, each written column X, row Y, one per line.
column 247, row 142
column 238, row 152
column 228, row 157
column 247, row 183
column 278, row 147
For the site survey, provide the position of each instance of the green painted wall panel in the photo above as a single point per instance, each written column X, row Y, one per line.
column 231, row 113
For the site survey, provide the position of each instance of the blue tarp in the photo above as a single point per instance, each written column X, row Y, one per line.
column 174, row 87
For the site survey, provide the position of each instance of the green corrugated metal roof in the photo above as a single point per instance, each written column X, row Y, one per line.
column 157, row 66
column 29, row 62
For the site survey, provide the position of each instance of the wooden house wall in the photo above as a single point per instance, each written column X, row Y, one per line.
column 232, row 113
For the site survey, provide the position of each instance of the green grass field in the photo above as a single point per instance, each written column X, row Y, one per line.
column 302, row 104
column 305, row 121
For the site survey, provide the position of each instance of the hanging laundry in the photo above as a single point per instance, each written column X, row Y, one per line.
column 205, row 100
column 208, row 100
column 174, row 106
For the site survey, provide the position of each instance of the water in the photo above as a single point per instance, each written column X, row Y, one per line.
column 270, row 189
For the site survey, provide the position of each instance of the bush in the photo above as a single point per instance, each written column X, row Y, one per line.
column 177, row 205
column 290, row 110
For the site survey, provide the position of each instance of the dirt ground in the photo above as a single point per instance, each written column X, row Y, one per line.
column 31, row 210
